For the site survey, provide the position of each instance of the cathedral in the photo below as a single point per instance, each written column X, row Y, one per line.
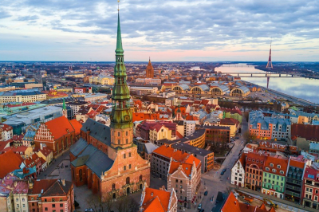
column 105, row 158
column 149, row 70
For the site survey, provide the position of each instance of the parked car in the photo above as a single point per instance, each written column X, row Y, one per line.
column 205, row 193
column 199, row 206
column 212, row 199
column 223, row 172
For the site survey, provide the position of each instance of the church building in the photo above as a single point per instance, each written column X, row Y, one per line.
column 105, row 158
column 149, row 70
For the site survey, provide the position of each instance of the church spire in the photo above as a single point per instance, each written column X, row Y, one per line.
column 119, row 48
column 121, row 116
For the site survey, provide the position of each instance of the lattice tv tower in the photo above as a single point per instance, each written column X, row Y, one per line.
column 269, row 64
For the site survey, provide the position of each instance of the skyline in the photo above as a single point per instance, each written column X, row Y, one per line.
column 164, row 30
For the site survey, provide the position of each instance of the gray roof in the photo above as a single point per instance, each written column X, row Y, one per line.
column 204, row 87
column 244, row 89
column 191, row 149
column 184, row 86
column 99, row 162
column 96, row 160
column 78, row 147
column 98, row 131
column 224, row 88
column 89, row 150
column 150, row 147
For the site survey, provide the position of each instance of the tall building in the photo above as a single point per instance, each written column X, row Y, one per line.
column 149, row 70
column 106, row 158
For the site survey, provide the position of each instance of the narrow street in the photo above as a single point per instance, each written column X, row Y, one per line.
column 53, row 165
column 216, row 182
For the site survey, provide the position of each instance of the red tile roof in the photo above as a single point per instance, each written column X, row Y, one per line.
column 41, row 185
column 59, row 127
column 76, row 125
column 5, row 127
column 45, row 151
column 233, row 205
column 276, row 160
column 156, row 200
column 9, row 162
column 311, row 174
column 229, row 121
column 170, row 152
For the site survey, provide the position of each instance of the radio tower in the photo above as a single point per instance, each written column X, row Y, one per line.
column 269, row 64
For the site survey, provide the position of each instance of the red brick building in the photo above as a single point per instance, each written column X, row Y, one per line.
column 58, row 135
column 217, row 134
column 105, row 158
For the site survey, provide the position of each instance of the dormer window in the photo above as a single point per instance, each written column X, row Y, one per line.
column 271, row 165
column 282, row 172
column 267, row 169
column 274, row 170
column 278, row 166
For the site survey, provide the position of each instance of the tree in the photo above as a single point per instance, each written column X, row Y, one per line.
column 249, row 137
column 126, row 204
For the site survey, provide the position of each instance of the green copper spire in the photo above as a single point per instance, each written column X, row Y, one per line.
column 121, row 116
column 64, row 106
column 119, row 48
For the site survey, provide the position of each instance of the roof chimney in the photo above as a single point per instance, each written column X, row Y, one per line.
column 63, row 182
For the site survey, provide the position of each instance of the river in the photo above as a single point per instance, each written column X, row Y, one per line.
column 303, row 88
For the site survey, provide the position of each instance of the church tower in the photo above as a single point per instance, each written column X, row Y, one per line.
column 121, row 116
column 149, row 70
column 64, row 110
column 129, row 171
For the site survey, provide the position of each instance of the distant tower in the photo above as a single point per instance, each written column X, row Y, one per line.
column 64, row 110
column 269, row 64
column 149, row 70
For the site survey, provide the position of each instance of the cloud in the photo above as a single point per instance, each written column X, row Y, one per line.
column 179, row 25
column 28, row 18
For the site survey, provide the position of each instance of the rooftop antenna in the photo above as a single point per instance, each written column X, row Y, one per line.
column 118, row 6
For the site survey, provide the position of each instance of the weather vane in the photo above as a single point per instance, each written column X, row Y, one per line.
column 118, row 8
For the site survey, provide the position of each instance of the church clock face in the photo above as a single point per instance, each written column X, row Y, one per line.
column 127, row 118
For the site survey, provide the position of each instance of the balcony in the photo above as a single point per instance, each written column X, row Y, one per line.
column 297, row 182
column 295, row 188
column 292, row 194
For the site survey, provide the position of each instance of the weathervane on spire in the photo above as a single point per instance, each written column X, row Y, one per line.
column 118, row 7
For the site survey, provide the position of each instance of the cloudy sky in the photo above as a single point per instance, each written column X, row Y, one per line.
column 181, row 30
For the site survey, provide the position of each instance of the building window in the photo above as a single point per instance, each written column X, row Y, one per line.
column 141, row 177
column 126, row 133
column 118, row 134
column 127, row 180
column 126, row 141
column 124, row 156
column 124, row 168
column 129, row 166
column 113, row 186
column 53, row 205
column 46, row 209
column 61, row 205
column 130, row 154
